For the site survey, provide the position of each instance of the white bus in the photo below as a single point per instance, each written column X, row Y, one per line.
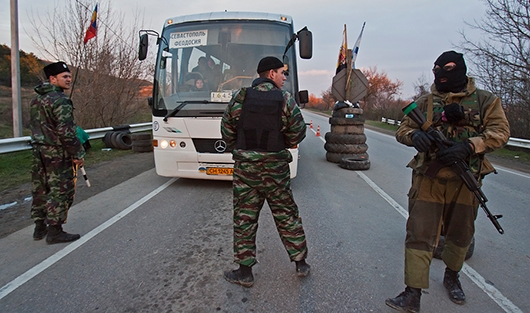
column 222, row 49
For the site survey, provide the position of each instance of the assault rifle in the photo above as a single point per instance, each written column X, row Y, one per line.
column 459, row 167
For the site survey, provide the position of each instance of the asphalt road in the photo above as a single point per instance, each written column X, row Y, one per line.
column 154, row 244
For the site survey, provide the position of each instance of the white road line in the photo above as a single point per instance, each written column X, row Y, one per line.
column 491, row 291
column 22, row 279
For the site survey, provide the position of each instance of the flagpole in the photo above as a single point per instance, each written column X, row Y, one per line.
column 353, row 58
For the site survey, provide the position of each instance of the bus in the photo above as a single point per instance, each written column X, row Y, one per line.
column 202, row 59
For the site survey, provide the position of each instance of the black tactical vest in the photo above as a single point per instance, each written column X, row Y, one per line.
column 260, row 122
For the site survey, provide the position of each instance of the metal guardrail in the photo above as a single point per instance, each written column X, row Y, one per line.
column 24, row 143
column 514, row 142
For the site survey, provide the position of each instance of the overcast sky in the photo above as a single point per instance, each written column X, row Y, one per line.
column 401, row 38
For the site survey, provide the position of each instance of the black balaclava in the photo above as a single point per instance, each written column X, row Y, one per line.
column 456, row 78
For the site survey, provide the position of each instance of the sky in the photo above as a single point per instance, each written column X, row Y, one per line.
column 402, row 38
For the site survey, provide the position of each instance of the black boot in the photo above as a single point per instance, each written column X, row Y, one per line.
column 302, row 268
column 243, row 276
column 41, row 229
column 57, row 235
column 407, row 301
column 453, row 286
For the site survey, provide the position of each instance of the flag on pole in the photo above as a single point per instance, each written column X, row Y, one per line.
column 92, row 28
column 342, row 52
column 356, row 47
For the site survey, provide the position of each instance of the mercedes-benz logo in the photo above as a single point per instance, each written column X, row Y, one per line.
column 220, row 146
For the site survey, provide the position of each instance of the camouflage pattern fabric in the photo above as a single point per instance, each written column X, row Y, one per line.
column 253, row 183
column 53, row 184
column 55, row 143
column 260, row 176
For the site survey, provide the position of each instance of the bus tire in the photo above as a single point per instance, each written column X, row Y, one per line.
column 440, row 247
column 336, row 157
column 348, row 139
column 345, row 149
column 344, row 111
column 121, row 140
column 347, row 129
column 355, row 163
column 356, row 120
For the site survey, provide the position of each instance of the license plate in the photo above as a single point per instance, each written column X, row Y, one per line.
column 219, row 171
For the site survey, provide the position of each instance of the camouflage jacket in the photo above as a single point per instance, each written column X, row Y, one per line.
column 485, row 126
column 52, row 121
column 293, row 129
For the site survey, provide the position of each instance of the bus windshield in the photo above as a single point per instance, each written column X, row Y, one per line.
column 202, row 64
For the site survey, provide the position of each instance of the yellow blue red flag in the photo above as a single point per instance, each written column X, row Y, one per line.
column 93, row 27
column 342, row 53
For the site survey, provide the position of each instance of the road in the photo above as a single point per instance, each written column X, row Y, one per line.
column 154, row 244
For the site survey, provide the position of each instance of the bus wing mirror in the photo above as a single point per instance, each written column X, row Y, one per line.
column 142, row 47
column 305, row 42
column 303, row 95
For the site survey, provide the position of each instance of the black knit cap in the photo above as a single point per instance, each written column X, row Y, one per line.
column 55, row 69
column 269, row 63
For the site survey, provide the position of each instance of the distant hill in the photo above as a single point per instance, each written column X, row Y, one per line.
column 30, row 67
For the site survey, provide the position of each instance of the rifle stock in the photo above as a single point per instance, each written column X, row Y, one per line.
column 459, row 167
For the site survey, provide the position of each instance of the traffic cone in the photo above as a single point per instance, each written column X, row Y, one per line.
column 318, row 131
column 311, row 124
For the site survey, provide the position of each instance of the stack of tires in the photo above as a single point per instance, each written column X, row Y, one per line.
column 346, row 143
column 142, row 142
column 118, row 139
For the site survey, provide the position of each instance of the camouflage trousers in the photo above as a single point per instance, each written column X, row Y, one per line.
column 53, row 184
column 255, row 182
column 435, row 204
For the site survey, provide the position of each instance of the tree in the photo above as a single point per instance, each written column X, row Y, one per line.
column 107, row 75
column 502, row 58
column 382, row 96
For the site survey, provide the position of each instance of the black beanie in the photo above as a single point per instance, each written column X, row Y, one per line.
column 456, row 78
column 269, row 63
column 55, row 69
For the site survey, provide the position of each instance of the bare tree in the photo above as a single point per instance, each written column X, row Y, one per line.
column 107, row 74
column 502, row 58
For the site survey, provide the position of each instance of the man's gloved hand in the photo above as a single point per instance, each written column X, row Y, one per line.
column 421, row 140
column 458, row 151
column 453, row 113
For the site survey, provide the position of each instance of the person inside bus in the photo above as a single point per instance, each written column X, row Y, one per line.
column 199, row 85
column 205, row 70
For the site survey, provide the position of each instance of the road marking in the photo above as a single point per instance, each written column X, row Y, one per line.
column 492, row 292
column 22, row 279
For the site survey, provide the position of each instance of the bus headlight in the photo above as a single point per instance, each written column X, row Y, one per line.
column 182, row 144
column 164, row 144
column 172, row 143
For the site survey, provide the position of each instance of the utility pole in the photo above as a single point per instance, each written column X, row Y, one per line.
column 15, row 72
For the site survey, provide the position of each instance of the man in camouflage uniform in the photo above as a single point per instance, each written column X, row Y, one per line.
column 259, row 124
column 473, row 121
column 56, row 151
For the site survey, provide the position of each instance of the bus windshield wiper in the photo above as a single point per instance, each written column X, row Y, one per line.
column 180, row 106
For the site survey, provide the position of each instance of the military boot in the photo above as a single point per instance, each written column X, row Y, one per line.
column 302, row 268
column 57, row 235
column 242, row 276
column 41, row 229
column 453, row 286
column 407, row 301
